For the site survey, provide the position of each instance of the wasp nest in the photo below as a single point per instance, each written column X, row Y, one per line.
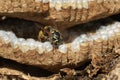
column 96, row 42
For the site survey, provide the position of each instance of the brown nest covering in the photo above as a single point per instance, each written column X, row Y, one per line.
column 91, row 49
column 63, row 13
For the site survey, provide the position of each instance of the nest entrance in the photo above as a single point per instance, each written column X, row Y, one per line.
column 28, row 29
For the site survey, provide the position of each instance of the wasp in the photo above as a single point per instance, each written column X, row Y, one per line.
column 49, row 33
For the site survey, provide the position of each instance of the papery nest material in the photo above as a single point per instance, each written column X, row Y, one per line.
column 60, row 13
